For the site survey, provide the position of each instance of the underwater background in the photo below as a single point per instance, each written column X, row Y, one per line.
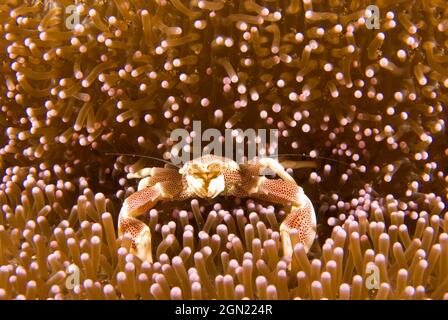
column 91, row 90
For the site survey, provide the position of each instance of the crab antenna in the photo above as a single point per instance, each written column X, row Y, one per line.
column 141, row 156
column 310, row 157
column 298, row 164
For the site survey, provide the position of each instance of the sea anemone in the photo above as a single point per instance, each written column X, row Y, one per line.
column 85, row 85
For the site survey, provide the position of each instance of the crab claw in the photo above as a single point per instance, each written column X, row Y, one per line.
column 197, row 185
column 140, row 202
column 143, row 246
column 216, row 186
column 299, row 226
column 287, row 243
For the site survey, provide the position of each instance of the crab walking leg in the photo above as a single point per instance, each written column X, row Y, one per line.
column 149, row 182
column 137, row 204
column 257, row 166
column 151, row 176
column 301, row 217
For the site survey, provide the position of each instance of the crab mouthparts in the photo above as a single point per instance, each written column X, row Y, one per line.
column 205, row 187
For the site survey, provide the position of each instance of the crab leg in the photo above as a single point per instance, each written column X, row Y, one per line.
column 257, row 166
column 139, row 203
column 301, row 217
